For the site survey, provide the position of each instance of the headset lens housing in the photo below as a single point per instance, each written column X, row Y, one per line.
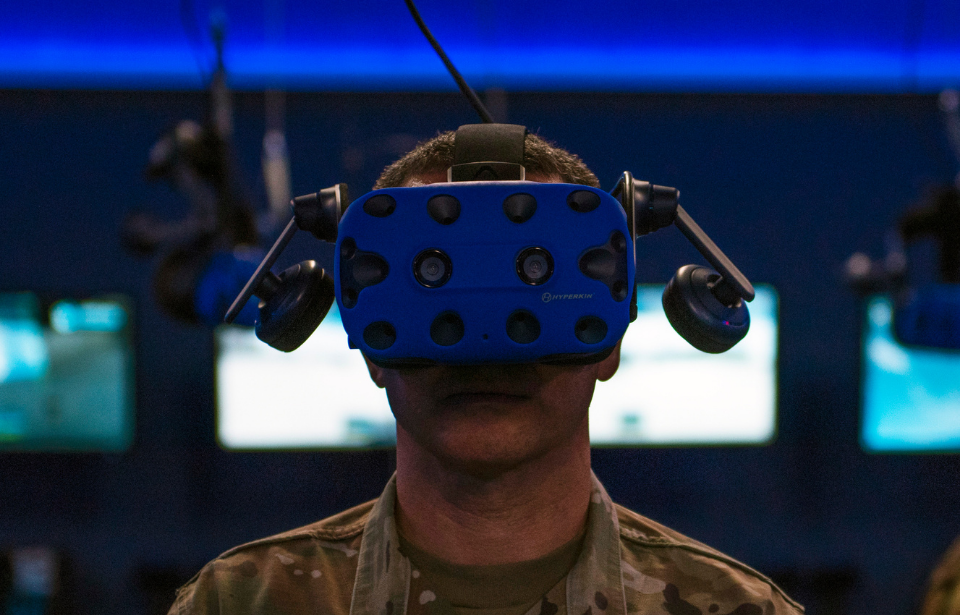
column 534, row 266
column 432, row 268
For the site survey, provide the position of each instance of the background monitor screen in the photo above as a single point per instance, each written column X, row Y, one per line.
column 910, row 396
column 66, row 373
column 666, row 391
column 321, row 396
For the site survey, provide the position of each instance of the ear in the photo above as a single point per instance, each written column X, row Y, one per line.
column 608, row 367
column 376, row 373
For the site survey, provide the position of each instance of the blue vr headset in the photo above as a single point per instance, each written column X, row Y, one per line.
column 491, row 268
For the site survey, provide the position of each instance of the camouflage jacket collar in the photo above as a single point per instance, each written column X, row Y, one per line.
column 383, row 575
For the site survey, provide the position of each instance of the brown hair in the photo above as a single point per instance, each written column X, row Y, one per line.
column 436, row 155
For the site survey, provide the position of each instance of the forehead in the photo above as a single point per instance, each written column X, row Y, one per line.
column 423, row 179
column 440, row 177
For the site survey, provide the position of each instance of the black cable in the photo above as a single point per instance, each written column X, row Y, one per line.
column 466, row 89
column 912, row 40
column 195, row 39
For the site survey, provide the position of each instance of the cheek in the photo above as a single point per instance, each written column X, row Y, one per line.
column 568, row 389
column 408, row 391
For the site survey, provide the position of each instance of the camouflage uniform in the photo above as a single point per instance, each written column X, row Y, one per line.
column 350, row 564
column 943, row 595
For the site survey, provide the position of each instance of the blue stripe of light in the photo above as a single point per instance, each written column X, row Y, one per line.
column 372, row 68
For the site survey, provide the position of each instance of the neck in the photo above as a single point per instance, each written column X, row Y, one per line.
column 508, row 516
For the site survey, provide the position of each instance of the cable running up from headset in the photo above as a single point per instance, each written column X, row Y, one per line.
column 489, row 267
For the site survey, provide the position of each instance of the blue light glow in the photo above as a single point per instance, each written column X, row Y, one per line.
column 756, row 70
column 803, row 46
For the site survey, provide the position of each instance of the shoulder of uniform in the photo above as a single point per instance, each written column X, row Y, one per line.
column 240, row 571
column 344, row 525
column 643, row 532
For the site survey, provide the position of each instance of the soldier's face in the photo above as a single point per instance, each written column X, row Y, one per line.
column 487, row 419
column 484, row 420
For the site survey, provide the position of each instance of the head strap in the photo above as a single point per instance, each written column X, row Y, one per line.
column 488, row 152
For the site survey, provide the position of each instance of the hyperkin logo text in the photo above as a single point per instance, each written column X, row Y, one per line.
column 548, row 297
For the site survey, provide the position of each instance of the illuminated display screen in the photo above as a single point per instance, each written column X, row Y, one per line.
column 321, row 396
column 665, row 391
column 910, row 396
column 66, row 373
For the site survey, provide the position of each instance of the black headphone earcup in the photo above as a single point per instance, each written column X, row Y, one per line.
column 297, row 308
column 699, row 317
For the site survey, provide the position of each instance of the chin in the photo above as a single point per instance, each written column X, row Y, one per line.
column 488, row 442
column 482, row 468
column 488, row 457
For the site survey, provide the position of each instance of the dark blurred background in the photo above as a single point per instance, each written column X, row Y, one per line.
column 789, row 181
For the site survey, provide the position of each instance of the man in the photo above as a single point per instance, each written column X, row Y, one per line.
column 493, row 509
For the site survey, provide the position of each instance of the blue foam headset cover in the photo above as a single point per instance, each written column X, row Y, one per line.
column 484, row 272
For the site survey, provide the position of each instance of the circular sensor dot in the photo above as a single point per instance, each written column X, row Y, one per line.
column 523, row 327
column 370, row 269
column 619, row 290
column 447, row 329
column 618, row 242
column 583, row 201
column 444, row 208
column 380, row 335
column 598, row 264
column 348, row 247
column 380, row 205
column 519, row 207
column 590, row 330
column 349, row 298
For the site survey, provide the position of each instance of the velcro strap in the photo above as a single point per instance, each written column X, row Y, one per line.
column 502, row 144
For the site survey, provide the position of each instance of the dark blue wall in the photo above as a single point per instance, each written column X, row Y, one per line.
column 789, row 186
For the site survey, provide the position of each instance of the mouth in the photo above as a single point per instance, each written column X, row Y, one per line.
column 499, row 398
column 489, row 386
